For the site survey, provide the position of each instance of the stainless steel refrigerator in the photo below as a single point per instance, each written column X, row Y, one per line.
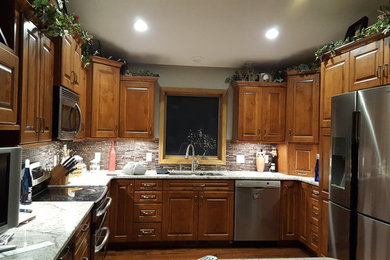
column 359, row 208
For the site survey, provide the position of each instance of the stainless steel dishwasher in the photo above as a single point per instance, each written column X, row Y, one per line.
column 257, row 205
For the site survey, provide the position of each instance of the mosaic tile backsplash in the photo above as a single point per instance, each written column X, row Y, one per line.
column 135, row 151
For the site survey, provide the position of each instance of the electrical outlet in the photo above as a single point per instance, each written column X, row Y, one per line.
column 148, row 157
column 240, row 158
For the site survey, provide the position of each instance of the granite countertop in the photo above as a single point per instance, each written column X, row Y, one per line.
column 103, row 177
column 55, row 222
column 298, row 258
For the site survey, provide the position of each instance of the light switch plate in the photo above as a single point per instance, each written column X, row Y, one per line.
column 148, row 157
column 240, row 158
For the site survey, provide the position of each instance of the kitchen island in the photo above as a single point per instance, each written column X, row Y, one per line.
column 55, row 222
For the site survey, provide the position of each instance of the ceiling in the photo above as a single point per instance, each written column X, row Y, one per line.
column 219, row 33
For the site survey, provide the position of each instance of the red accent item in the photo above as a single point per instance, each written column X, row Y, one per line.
column 112, row 158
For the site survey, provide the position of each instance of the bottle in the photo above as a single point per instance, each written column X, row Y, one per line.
column 112, row 158
column 26, row 185
column 316, row 168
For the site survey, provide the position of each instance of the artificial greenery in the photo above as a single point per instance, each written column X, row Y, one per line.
column 382, row 25
column 141, row 73
column 304, row 67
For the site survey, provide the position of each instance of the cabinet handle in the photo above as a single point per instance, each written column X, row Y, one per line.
column 385, row 70
column 316, row 192
column 148, row 197
column 378, row 69
column 259, row 132
column 147, row 231
column 145, row 184
column 148, row 212
column 289, row 132
column 36, row 125
column 76, row 78
column 72, row 80
column 85, row 228
column 43, row 125
column 150, row 130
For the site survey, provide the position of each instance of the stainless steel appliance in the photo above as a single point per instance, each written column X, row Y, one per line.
column 99, row 226
column 66, row 114
column 359, row 212
column 257, row 206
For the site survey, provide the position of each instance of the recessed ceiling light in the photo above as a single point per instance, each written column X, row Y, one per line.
column 140, row 25
column 272, row 33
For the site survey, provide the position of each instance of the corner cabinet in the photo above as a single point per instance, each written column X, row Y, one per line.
column 259, row 111
column 37, row 86
column 303, row 97
column 137, row 107
column 104, row 95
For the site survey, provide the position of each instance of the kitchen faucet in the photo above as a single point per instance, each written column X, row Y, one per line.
column 194, row 163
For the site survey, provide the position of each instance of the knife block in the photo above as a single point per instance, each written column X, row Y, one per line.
column 58, row 176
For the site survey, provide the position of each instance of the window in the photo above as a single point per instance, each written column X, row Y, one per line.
column 192, row 116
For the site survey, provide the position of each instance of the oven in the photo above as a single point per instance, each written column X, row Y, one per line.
column 100, row 231
column 66, row 114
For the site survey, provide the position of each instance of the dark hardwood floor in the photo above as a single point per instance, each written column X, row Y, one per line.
column 196, row 253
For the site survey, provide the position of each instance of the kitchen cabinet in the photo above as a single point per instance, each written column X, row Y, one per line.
column 68, row 62
column 121, row 210
column 137, row 107
column 324, row 170
column 289, row 210
column 314, row 219
column 190, row 207
column 147, row 211
column 259, row 111
column 82, row 240
column 301, row 159
column 82, row 90
column 324, row 227
column 303, row 221
column 303, row 97
column 37, row 85
column 9, row 64
column 334, row 81
column 104, row 95
column 367, row 67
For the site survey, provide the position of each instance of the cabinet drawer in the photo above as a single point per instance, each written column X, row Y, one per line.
column 147, row 196
column 314, row 212
column 198, row 185
column 148, row 184
column 82, row 252
column 147, row 212
column 83, row 231
column 146, row 232
column 315, row 192
column 314, row 238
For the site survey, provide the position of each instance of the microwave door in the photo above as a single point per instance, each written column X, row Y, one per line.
column 74, row 119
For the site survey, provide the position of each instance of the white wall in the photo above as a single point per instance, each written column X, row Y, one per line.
column 190, row 77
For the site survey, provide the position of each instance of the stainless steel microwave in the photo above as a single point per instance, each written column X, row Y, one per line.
column 66, row 114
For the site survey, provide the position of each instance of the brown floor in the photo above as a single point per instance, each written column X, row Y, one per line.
column 193, row 254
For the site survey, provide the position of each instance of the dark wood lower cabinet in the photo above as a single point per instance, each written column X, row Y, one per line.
column 180, row 215
column 289, row 210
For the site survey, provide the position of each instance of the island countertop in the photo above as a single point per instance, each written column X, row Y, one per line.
column 55, row 222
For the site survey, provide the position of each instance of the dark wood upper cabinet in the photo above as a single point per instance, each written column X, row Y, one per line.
column 137, row 107
column 259, row 111
column 303, row 97
column 37, row 86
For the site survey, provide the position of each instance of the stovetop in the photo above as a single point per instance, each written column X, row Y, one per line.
column 81, row 193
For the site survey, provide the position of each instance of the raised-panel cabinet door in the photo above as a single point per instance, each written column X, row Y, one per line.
column 303, row 219
column 325, row 142
column 216, row 211
column 303, row 108
column 324, row 227
column 334, row 81
column 137, row 108
column 46, row 88
column 77, row 67
column 302, row 159
column 105, row 101
column 273, row 113
column 366, row 66
column 9, row 64
column 29, row 121
column 289, row 210
column 249, row 117
column 67, row 76
column 180, row 215
column 121, row 210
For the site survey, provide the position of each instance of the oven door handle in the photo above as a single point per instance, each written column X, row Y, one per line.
column 99, row 247
column 99, row 211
